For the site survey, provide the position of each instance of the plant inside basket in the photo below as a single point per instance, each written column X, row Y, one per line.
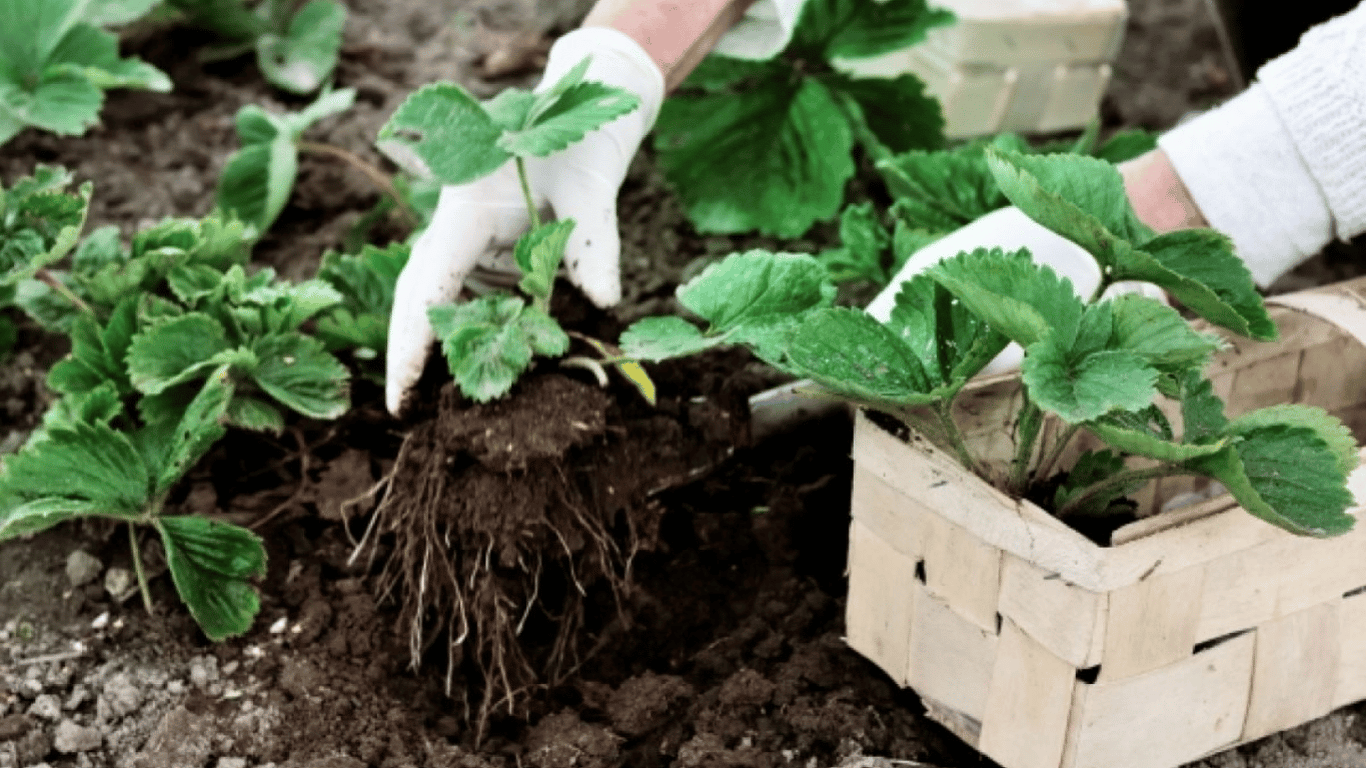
column 1102, row 365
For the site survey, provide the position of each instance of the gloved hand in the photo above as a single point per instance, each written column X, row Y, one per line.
column 1009, row 229
column 475, row 220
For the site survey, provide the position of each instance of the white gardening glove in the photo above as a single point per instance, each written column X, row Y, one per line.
column 474, row 220
column 1009, row 229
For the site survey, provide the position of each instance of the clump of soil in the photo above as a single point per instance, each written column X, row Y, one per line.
column 504, row 517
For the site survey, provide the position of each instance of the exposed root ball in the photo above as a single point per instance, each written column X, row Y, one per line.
column 488, row 505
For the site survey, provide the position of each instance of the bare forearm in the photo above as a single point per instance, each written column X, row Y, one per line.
column 676, row 34
column 1157, row 194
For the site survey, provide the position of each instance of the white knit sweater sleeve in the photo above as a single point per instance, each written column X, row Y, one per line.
column 1281, row 168
column 763, row 32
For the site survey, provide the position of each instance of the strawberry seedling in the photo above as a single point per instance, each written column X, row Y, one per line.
column 767, row 145
column 296, row 47
column 55, row 66
column 1096, row 365
column 938, row 191
column 445, row 133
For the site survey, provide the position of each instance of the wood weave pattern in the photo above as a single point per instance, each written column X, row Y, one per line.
column 1044, row 650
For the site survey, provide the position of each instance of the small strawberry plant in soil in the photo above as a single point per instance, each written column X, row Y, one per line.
column 725, row 649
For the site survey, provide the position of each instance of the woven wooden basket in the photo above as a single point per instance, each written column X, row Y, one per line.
column 1197, row 629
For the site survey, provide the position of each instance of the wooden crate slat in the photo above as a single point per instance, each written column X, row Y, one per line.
column 936, row 482
column 1029, row 702
column 1351, row 683
column 1067, row 620
column 1166, row 717
column 1294, row 670
column 1278, row 578
column 1330, row 374
column 1151, row 624
column 961, row 570
column 950, row 657
column 885, row 512
column 878, row 614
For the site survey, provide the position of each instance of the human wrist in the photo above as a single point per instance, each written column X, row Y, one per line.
column 675, row 35
column 1157, row 194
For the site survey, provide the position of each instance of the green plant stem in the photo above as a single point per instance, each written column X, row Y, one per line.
column 1055, row 453
column 1026, row 435
column 376, row 176
column 1119, row 480
column 139, row 570
column 51, row 281
column 531, row 211
column 943, row 410
column 871, row 144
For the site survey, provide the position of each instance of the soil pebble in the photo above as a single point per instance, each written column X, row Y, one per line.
column 71, row 738
column 82, row 568
column 565, row 741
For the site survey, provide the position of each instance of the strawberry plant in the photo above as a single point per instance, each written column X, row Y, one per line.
column 296, row 46
column 258, row 178
column 1096, row 365
column 938, row 191
column 55, row 66
column 172, row 342
column 365, row 281
column 767, row 145
column 446, row 134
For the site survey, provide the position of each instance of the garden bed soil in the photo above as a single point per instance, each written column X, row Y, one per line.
column 721, row 646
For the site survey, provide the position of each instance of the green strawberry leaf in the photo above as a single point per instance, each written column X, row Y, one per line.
column 538, row 254
column 254, row 414
column 490, row 341
column 175, row 351
column 116, row 13
column 580, row 110
column 1285, row 475
column 756, row 286
column 78, row 469
column 211, row 564
column 305, row 55
column 1200, row 269
column 1159, row 334
column 257, row 181
column 952, row 343
column 899, row 111
column 510, row 109
column 298, row 372
column 1202, row 411
column 941, row 191
column 1119, row 432
column 854, row 29
column 863, row 242
column 1327, row 427
column 773, row 159
column 442, row 131
column 1091, row 468
column 366, row 283
column 1080, row 388
column 856, row 357
column 96, row 52
column 1021, row 299
column 662, row 338
column 199, row 428
column 1126, row 145
column 1080, row 198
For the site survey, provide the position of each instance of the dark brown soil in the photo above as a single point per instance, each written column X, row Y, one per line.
column 708, row 631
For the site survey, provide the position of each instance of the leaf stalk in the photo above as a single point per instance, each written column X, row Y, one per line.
column 531, row 211
column 1026, row 435
column 375, row 175
column 1055, row 453
column 139, row 569
column 1119, row 480
column 50, row 280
